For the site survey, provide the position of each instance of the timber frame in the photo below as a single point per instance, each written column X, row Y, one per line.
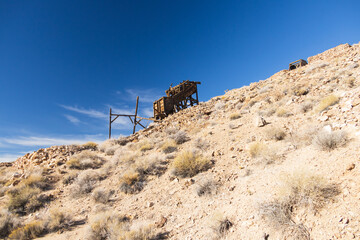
column 135, row 119
column 177, row 98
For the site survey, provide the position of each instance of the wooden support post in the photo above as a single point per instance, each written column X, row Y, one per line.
column 136, row 108
column 197, row 97
column 110, row 124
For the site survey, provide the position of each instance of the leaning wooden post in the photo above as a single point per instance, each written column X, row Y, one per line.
column 136, row 108
column 110, row 124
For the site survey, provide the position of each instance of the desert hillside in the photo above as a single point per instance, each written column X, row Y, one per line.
column 278, row 159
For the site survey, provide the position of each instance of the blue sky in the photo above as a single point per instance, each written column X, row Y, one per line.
column 64, row 63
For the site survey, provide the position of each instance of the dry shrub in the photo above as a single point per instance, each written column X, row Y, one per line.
column 85, row 183
column 7, row 223
column 85, row 160
column 306, row 106
column 107, row 225
column 275, row 133
column 169, row 146
column 57, row 220
column 101, row 195
column 329, row 140
column 300, row 90
column 69, row 178
column 31, row 230
column 188, row 164
column 111, row 145
column 144, row 146
column 90, row 145
column 35, row 181
column 152, row 165
column 299, row 189
column 235, row 116
column 350, row 82
column 206, row 187
column 257, row 149
column 131, row 182
column 326, row 102
column 26, row 197
column 140, row 233
column 201, row 144
column 220, row 224
column 305, row 188
column 279, row 216
column 282, row 112
column 180, row 137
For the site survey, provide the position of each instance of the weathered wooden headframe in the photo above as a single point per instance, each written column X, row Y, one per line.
column 177, row 98
column 135, row 119
column 297, row 64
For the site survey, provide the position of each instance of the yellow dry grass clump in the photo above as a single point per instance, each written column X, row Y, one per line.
column 188, row 164
column 235, row 116
column 90, row 145
column 327, row 102
column 169, row 146
column 31, row 230
column 84, row 160
column 304, row 187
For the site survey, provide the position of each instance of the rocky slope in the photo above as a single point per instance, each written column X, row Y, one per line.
column 274, row 160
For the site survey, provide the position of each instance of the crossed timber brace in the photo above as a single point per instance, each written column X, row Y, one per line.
column 135, row 120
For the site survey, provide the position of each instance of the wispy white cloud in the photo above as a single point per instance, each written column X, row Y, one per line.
column 89, row 112
column 50, row 141
column 148, row 112
column 8, row 157
column 72, row 119
column 146, row 96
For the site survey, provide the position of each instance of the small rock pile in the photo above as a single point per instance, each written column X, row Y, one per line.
column 50, row 157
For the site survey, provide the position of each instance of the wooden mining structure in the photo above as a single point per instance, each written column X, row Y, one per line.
column 297, row 64
column 177, row 98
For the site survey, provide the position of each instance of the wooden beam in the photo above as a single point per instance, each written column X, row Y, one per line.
column 136, row 108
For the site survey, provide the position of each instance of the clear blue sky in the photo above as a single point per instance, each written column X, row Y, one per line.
column 64, row 63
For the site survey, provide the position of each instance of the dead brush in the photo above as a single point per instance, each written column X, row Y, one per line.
column 188, row 164
column 57, row 220
column 304, row 188
column 234, row 116
column 8, row 222
column 85, row 160
column 180, row 137
column 201, row 144
column 275, row 133
column 207, row 187
column 31, row 230
column 101, row 195
column 299, row 189
column 107, row 225
column 90, row 145
column 131, row 182
column 328, row 140
column 220, row 225
column 261, row 151
column 169, row 146
column 279, row 216
column 144, row 146
column 85, row 183
column 26, row 197
column 326, row 102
